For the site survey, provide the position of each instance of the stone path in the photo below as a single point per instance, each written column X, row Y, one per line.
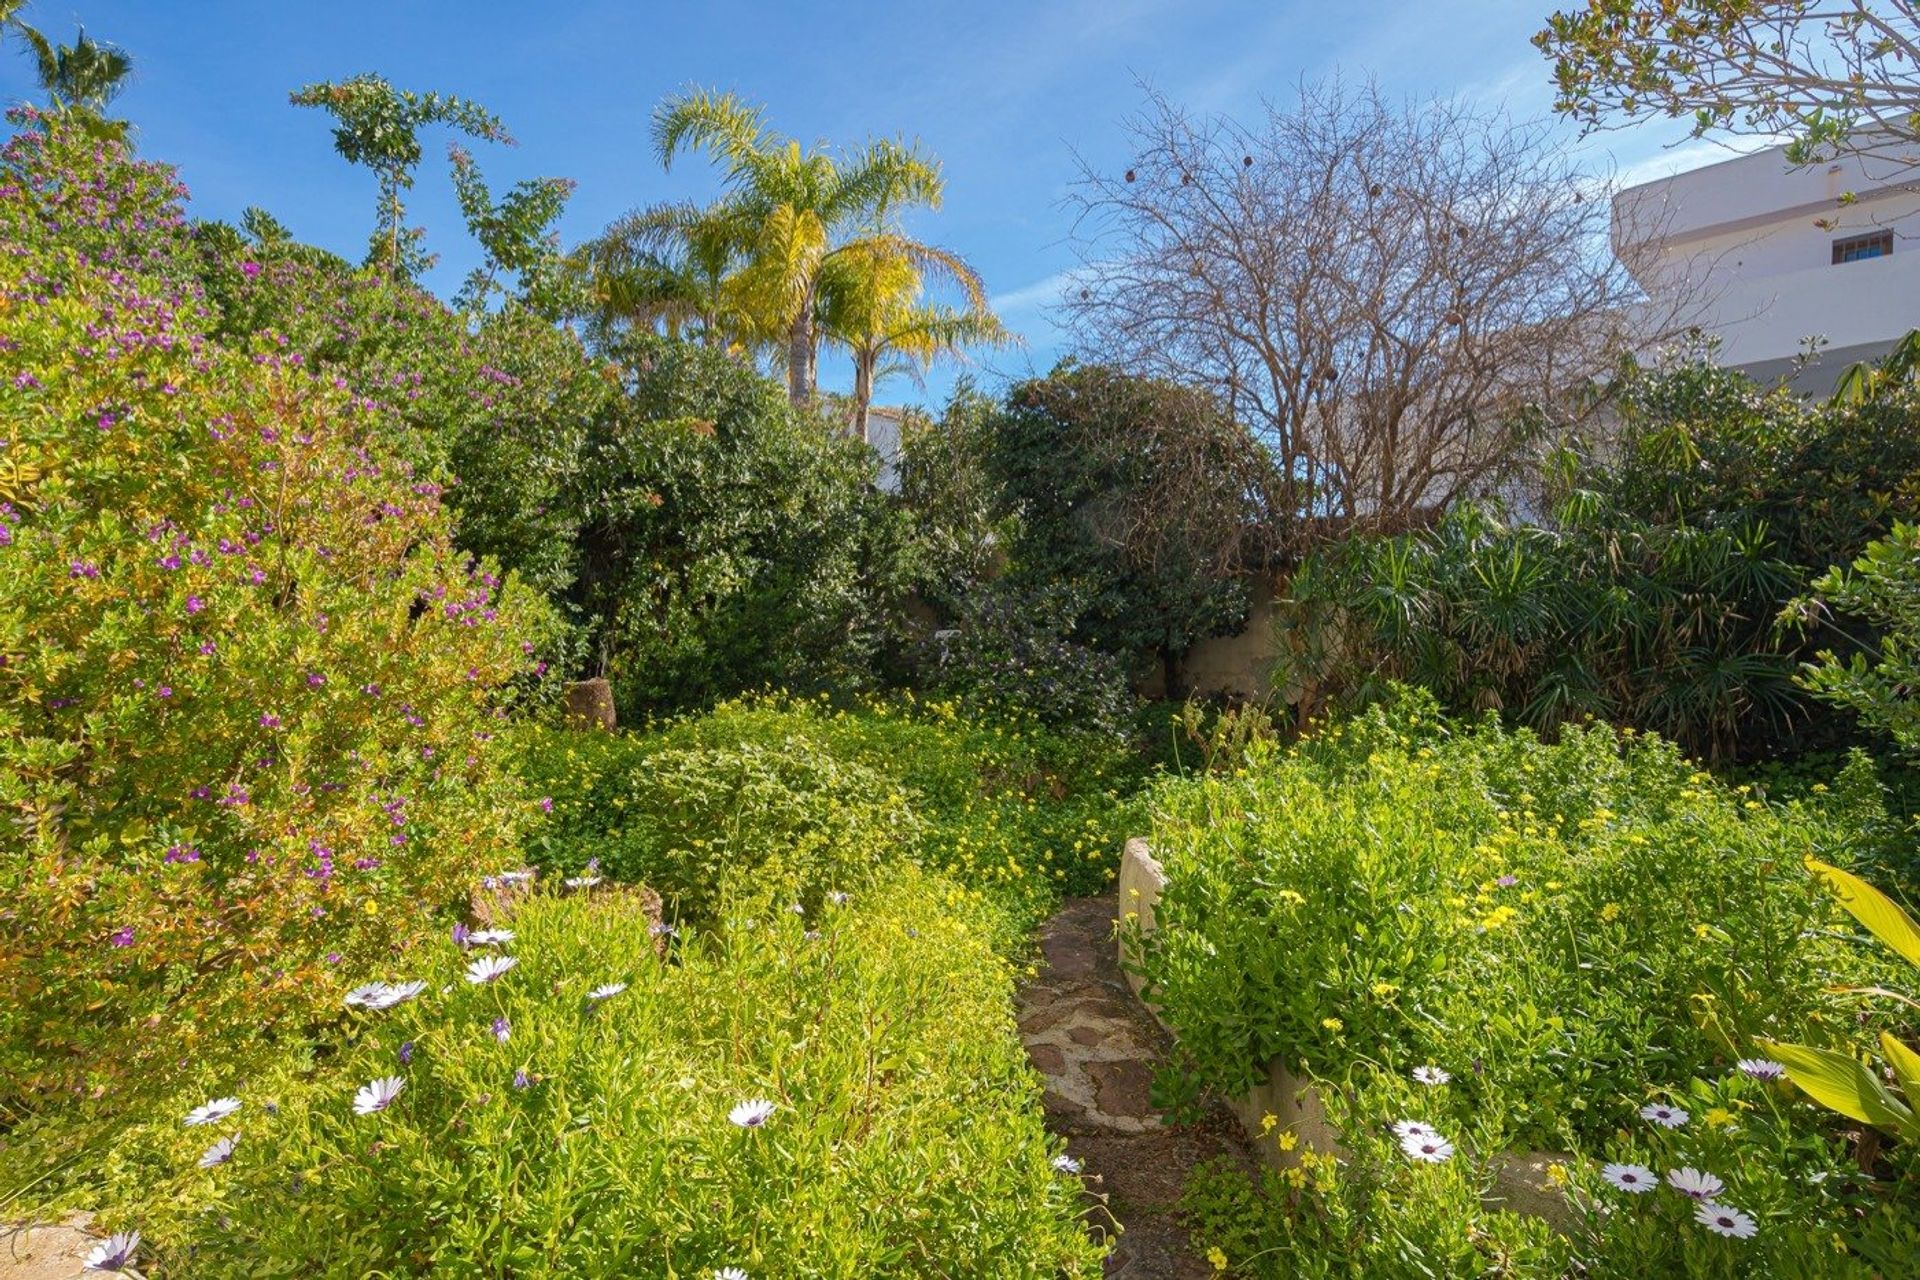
column 1097, row 1048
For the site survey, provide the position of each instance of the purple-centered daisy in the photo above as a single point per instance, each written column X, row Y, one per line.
column 1724, row 1220
column 1066, row 1164
column 1663, row 1115
column 1413, row 1129
column 212, row 1112
column 489, row 968
column 491, row 937
column 377, row 1095
column 729, row 1273
column 1761, row 1068
column 1694, row 1184
column 1428, row 1148
column 606, row 991
column 582, row 882
column 1634, row 1178
column 1431, row 1075
column 752, row 1113
column 220, row 1152
column 114, row 1253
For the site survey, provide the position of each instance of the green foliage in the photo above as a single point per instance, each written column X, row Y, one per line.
column 1131, row 493
column 729, row 541
column 378, row 126
column 594, row 1140
column 1882, row 590
column 1009, row 653
column 1578, row 924
column 517, row 235
column 1005, row 807
column 1652, row 596
column 250, row 685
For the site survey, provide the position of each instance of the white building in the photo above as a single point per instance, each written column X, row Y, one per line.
column 1769, row 256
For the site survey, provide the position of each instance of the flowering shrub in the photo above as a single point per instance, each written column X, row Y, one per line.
column 1009, row 653
column 1521, row 945
column 828, row 793
column 835, row 1094
column 248, row 689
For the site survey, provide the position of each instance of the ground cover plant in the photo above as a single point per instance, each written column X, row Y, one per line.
column 1566, row 946
column 835, row 1091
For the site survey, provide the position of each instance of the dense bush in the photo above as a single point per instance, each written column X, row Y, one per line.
column 1881, row 588
column 1009, row 652
column 782, row 783
column 250, row 687
column 544, row 1131
column 1572, row 931
column 729, row 541
column 1650, row 593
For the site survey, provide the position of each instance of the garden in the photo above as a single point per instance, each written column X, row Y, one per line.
column 510, row 785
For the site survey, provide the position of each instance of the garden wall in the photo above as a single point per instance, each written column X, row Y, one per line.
column 1521, row 1180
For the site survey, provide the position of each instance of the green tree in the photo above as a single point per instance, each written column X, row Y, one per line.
column 803, row 207
column 1835, row 77
column 516, row 233
column 378, row 126
column 674, row 266
column 80, row 79
column 873, row 302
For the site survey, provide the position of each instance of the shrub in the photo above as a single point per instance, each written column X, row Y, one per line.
column 1586, row 922
column 1570, row 931
column 249, row 685
column 1882, row 588
column 729, row 542
column 688, row 818
column 1646, row 584
column 546, row 1133
column 1008, row 808
column 1009, row 654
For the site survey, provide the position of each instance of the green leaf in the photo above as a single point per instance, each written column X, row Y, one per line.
column 1905, row 1063
column 1845, row 1085
column 1872, row 908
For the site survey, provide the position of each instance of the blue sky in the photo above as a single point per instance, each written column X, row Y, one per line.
column 1006, row 94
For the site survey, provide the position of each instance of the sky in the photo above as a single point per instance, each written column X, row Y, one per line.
column 1013, row 97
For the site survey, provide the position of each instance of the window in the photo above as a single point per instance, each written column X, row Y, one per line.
column 1859, row 248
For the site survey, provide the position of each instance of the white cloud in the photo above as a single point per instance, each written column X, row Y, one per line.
column 1033, row 297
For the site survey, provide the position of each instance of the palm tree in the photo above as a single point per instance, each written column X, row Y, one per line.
column 672, row 265
column 80, row 79
column 801, row 207
column 872, row 302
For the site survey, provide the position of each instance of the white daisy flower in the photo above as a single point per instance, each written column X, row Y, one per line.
column 490, row 937
column 377, row 1095
column 1761, row 1068
column 582, row 882
column 1066, row 1164
column 1413, row 1129
column 114, row 1253
column 220, row 1152
column 1634, row 1178
column 752, row 1113
column 400, row 993
column 606, row 991
column 1428, row 1148
column 1695, row 1185
column 1431, row 1075
column 1663, row 1115
column 365, row 995
column 1724, row 1220
column 213, row 1112
column 488, row 968
column 729, row 1273
column 516, row 877
column 838, row 898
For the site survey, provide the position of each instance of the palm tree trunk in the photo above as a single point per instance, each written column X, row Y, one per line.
column 863, row 361
column 800, row 355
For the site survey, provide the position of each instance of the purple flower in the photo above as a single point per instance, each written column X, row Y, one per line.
column 1507, row 882
column 123, row 936
column 406, row 1052
column 461, row 934
column 546, row 804
column 195, row 604
column 502, row 1029
column 249, row 269
column 521, row 1080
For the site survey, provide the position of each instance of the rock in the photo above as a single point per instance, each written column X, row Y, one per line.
column 47, row 1251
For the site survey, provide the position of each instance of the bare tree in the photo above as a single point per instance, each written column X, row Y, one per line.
column 1384, row 295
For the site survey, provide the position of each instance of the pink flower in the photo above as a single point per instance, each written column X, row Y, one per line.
column 123, row 936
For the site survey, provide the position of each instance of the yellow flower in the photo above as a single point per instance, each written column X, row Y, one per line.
column 1719, row 1117
column 1333, row 1024
column 1296, row 1178
column 1610, row 912
column 1289, row 1140
column 1217, row 1258
column 1557, row 1174
column 1382, row 990
column 1267, row 1122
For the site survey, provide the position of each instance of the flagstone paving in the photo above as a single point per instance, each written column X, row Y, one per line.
column 1097, row 1049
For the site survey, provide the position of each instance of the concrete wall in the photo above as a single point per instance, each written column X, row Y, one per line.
column 1238, row 666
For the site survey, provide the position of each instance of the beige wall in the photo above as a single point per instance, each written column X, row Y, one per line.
column 1240, row 665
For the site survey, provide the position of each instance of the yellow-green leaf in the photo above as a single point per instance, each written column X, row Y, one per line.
column 1872, row 908
column 1845, row 1085
column 1906, row 1066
